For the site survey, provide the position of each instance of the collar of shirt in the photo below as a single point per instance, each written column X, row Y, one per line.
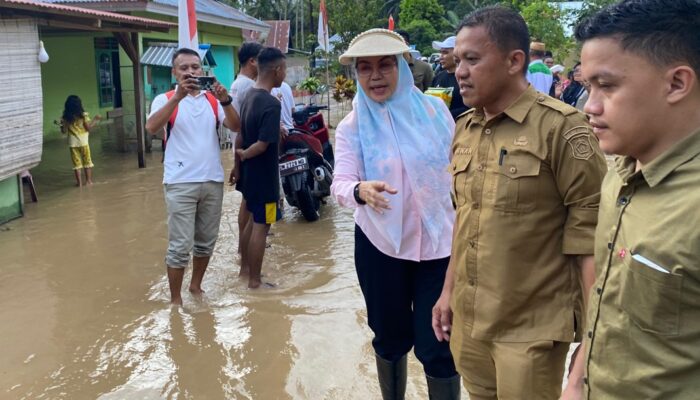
column 657, row 170
column 517, row 111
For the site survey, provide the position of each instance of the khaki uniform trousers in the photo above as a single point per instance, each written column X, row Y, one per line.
column 509, row 371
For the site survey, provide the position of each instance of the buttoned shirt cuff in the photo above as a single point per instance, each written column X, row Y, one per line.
column 579, row 231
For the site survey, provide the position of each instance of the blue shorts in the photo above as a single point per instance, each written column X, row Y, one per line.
column 265, row 213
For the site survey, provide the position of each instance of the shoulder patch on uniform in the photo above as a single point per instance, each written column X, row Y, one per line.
column 556, row 105
column 579, row 138
column 464, row 114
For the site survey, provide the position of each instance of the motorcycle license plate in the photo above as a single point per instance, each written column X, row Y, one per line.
column 290, row 167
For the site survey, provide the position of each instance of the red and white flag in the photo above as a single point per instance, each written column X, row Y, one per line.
column 391, row 22
column 323, row 27
column 187, row 25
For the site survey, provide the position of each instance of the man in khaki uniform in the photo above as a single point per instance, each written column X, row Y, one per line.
column 422, row 72
column 527, row 173
column 643, row 331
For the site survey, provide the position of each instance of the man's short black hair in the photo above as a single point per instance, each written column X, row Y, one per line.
column 548, row 54
column 269, row 57
column 662, row 31
column 406, row 37
column 249, row 51
column 183, row 50
column 506, row 28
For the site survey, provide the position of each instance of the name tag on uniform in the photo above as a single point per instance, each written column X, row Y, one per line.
column 460, row 151
column 645, row 261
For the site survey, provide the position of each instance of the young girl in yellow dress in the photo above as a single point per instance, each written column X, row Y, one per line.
column 77, row 124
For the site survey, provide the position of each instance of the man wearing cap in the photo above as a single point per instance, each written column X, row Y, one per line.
column 526, row 173
column 446, row 77
column 538, row 74
column 422, row 72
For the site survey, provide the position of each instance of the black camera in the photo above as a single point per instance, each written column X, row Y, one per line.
column 206, row 82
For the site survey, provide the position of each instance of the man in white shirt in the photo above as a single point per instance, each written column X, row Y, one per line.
column 193, row 174
column 286, row 97
column 247, row 74
column 538, row 74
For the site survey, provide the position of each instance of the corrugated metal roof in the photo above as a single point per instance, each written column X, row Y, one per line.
column 71, row 10
column 278, row 36
column 161, row 54
column 208, row 7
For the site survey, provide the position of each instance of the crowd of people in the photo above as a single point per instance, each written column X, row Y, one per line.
column 489, row 232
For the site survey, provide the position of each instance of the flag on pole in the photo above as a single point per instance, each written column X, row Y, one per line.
column 187, row 25
column 323, row 27
column 391, row 22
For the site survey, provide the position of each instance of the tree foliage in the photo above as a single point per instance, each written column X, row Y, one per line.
column 425, row 21
column 348, row 18
column 592, row 6
column 544, row 23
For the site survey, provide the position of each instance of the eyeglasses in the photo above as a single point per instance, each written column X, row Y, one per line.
column 366, row 69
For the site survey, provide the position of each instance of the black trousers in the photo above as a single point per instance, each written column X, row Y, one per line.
column 400, row 296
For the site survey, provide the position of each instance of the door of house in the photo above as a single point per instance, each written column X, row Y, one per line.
column 162, row 78
column 108, row 73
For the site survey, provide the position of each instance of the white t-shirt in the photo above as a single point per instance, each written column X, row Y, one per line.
column 192, row 153
column 286, row 97
column 539, row 76
column 239, row 88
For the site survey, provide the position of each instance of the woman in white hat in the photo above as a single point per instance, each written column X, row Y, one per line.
column 392, row 153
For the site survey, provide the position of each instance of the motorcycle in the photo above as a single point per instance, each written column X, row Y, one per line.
column 309, row 119
column 305, row 170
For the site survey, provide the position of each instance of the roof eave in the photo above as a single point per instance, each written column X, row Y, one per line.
column 204, row 17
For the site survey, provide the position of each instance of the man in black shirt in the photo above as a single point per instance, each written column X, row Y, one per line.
column 257, row 153
column 446, row 77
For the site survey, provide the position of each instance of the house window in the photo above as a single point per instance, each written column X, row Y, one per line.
column 107, row 61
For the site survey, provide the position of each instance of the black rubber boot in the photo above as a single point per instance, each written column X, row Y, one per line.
column 443, row 388
column 392, row 378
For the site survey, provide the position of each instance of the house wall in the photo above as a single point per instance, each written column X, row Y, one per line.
column 20, row 109
column 10, row 199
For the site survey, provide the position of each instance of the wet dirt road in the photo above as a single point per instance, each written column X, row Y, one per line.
column 84, row 302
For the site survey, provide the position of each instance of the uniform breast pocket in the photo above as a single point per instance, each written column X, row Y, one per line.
column 651, row 298
column 516, row 182
column 458, row 169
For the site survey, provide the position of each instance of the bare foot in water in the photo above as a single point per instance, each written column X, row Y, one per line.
column 196, row 291
column 261, row 285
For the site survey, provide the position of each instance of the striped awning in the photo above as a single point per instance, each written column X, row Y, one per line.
column 161, row 54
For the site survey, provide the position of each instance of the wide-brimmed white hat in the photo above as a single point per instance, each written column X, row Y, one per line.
column 448, row 43
column 372, row 43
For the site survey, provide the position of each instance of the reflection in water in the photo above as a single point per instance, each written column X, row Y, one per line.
column 84, row 300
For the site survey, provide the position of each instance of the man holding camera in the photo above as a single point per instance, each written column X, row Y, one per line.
column 193, row 174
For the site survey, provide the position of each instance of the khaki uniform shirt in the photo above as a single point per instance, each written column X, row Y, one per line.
column 422, row 74
column 526, row 185
column 643, row 340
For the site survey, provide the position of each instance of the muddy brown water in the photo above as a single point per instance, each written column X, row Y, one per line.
column 84, row 300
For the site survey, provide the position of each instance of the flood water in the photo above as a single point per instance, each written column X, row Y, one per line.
column 84, row 299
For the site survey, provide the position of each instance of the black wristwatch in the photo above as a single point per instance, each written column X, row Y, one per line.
column 356, row 194
column 227, row 102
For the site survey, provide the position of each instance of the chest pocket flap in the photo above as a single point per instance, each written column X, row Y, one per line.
column 460, row 163
column 458, row 168
column 517, row 182
column 520, row 164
